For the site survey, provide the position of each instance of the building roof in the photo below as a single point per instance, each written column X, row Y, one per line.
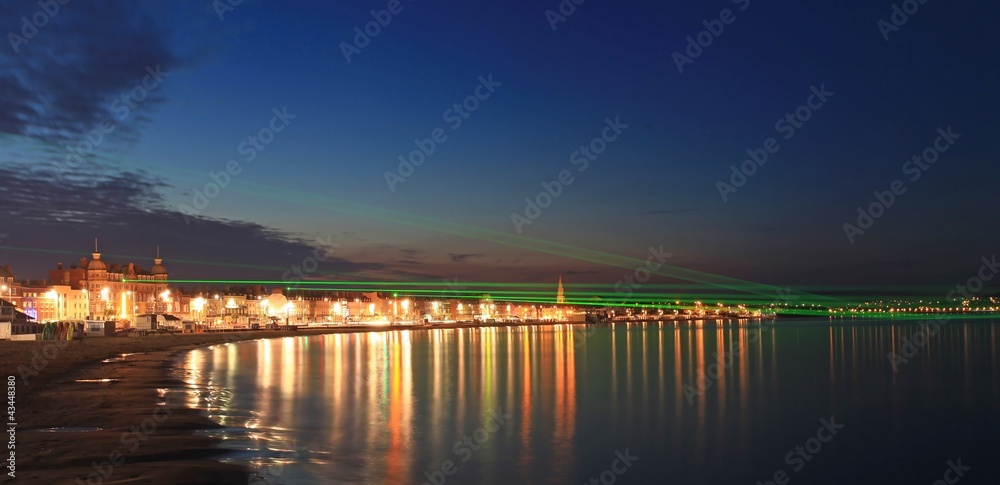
column 158, row 268
column 6, row 314
column 6, row 272
column 95, row 264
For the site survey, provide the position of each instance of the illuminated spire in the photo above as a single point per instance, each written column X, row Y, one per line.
column 560, row 295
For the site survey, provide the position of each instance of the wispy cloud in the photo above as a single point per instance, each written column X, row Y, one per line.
column 64, row 81
column 129, row 206
column 463, row 257
column 666, row 211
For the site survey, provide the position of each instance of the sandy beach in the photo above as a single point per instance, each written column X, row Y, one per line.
column 85, row 415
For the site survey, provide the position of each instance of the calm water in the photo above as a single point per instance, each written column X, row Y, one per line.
column 561, row 404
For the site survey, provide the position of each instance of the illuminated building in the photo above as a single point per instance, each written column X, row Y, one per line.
column 116, row 291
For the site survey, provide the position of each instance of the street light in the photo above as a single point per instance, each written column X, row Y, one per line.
column 125, row 296
column 199, row 307
column 54, row 296
column 10, row 297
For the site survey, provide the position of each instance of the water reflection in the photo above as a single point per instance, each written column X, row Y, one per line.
column 397, row 407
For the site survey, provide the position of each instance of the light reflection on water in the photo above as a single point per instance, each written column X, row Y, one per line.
column 393, row 407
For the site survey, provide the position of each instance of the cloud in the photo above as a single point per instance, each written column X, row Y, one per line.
column 463, row 257
column 61, row 83
column 666, row 211
column 65, row 216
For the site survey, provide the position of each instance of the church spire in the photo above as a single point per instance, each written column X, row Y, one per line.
column 560, row 294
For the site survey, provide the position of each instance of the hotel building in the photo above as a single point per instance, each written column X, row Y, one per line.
column 113, row 291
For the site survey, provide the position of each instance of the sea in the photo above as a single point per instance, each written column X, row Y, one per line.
column 810, row 401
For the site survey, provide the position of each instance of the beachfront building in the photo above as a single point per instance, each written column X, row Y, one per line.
column 10, row 294
column 55, row 302
column 115, row 291
column 41, row 301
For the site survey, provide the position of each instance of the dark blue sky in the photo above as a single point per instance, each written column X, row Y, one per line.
column 656, row 184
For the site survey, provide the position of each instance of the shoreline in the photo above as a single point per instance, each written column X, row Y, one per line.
column 88, row 415
column 108, row 417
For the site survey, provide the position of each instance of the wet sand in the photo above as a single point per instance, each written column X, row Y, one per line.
column 122, row 430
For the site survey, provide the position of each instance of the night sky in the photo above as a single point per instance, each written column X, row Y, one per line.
column 318, row 172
